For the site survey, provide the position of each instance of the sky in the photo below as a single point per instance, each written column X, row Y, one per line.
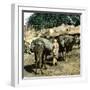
column 26, row 16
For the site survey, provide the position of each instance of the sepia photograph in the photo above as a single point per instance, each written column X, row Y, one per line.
column 51, row 44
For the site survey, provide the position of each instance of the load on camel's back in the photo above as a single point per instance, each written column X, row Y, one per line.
column 41, row 47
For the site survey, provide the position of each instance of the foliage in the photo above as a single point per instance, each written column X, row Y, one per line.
column 49, row 20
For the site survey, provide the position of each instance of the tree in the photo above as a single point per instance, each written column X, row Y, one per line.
column 49, row 20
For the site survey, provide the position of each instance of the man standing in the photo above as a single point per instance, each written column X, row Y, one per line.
column 55, row 51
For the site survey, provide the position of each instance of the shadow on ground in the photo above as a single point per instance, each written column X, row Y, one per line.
column 30, row 68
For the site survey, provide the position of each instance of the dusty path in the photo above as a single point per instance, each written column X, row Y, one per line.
column 71, row 67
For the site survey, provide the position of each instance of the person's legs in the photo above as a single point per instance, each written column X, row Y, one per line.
column 54, row 61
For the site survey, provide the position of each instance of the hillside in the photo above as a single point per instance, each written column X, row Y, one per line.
column 31, row 33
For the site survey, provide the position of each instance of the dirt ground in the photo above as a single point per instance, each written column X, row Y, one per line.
column 71, row 67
